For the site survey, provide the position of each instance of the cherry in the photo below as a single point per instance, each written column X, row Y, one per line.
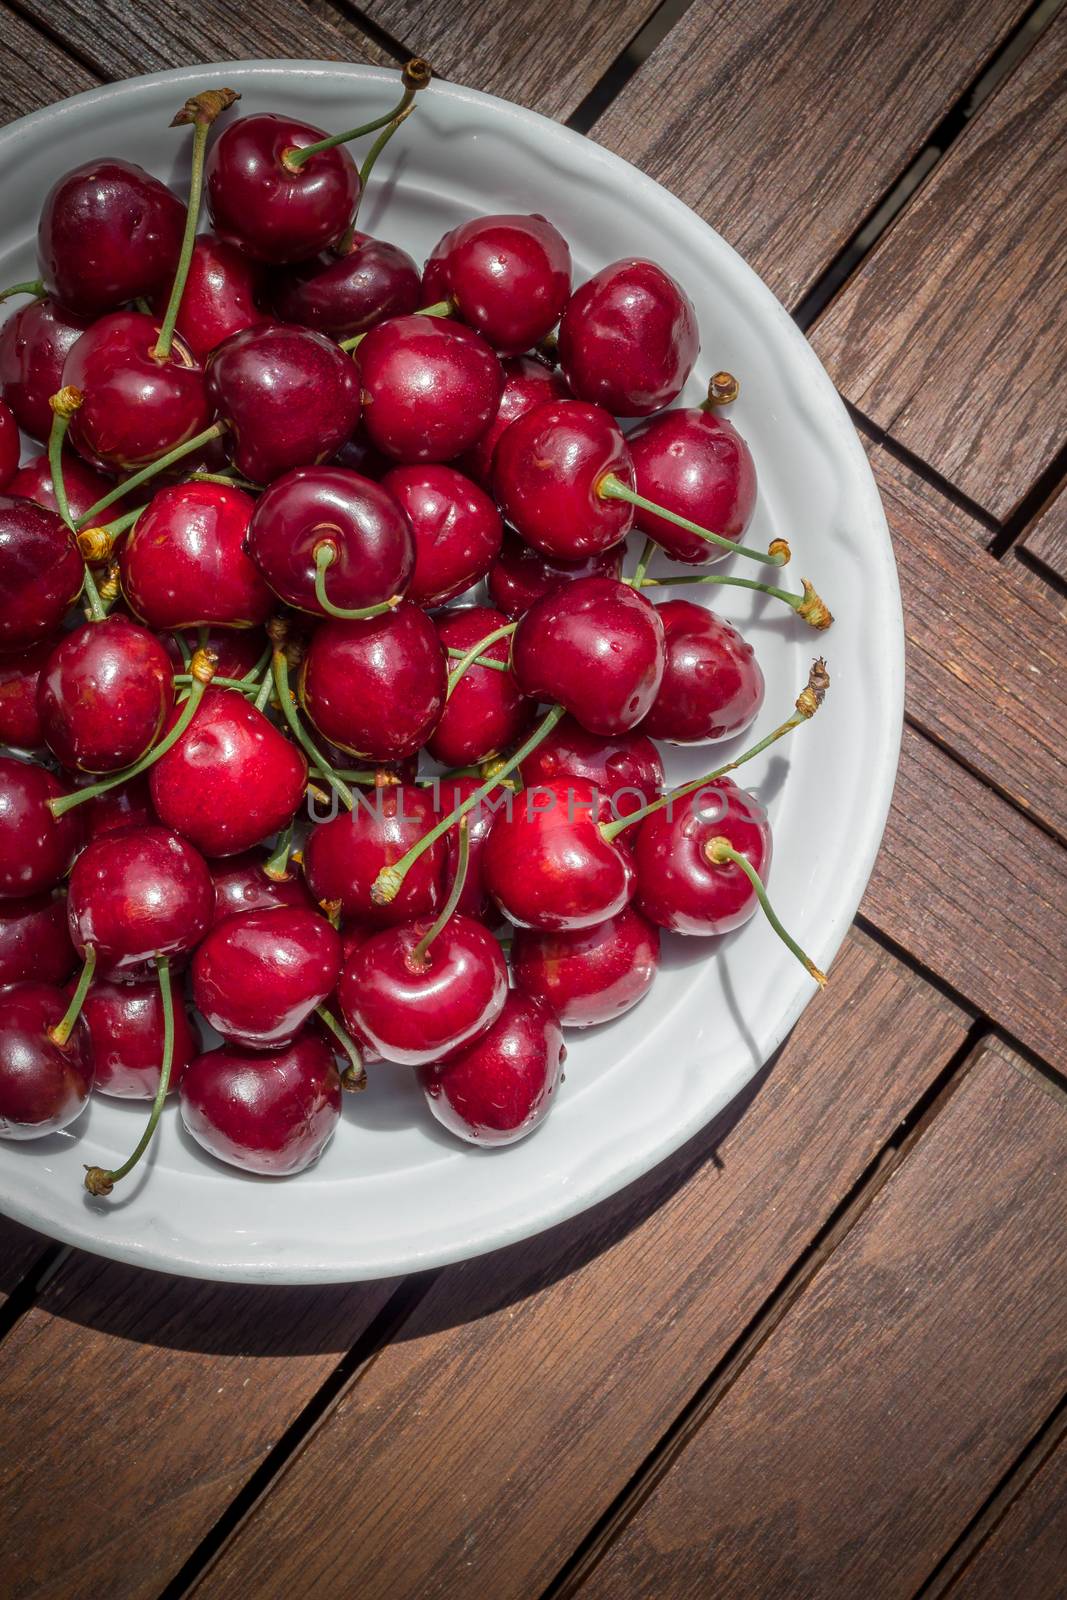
column 628, row 338
column 36, row 848
column 626, row 771
column 103, row 694
column 430, row 387
column 343, row 857
column 231, row 779
column 127, row 805
column 43, row 1085
column 347, row 291
column 272, row 1113
column 457, row 529
column 125, row 1023
column 508, row 276
column 10, row 445
column 500, row 1088
column 236, row 650
column 693, row 462
column 109, row 232
column 596, row 647
column 678, row 886
column 485, row 711
column 242, row 884
column 136, row 894
column 547, row 469
column 273, row 208
column 376, row 688
column 712, row 685
column 19, row 723
column 527, row 383
column 84, row 487
column 289, row 397
column 359, row 455
column 589, row 975
column 258, row 976
column 474, row 897
column 519, row 576
column 34, row 345
column 220, row 297
column 547, row 864
column 41, row 572
column 183, row 562
column 34, row 942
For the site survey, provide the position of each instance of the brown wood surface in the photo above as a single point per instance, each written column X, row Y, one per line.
column 1046, row 541
column 887, row 1405
column 20, row 1250
column 35, row 73
column 1026, row 1553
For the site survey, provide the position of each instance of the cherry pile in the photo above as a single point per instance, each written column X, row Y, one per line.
column 260, row 770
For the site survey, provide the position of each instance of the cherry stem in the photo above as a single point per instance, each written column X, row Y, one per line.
column 642, row 566
column 33, row 286
column 97, row 543
column 808, row 702
column 418, row 955
column 469, row 657
column 325, row 554
column 294, row 159
column 387, row 884
column 723, row 390
column 277, row 867
column 481, row 661
column 612, row 488
column 229, row 480
column 280, row 667
column 186, row 678
column 146, row 474
column 440, row 308
column 101, row 1182
column 355, row 1074
column 161, row 349
column 344, row 244
column 64, row 405
column 808, row 605
column 719, row 851
column 350, row 774
column 63, row 1030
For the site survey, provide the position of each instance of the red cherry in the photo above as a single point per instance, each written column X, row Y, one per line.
column 376, row 688
column 34, row 942
column 183, row 562
column 36, row 849
column 43, row 1085
column 486, row 710
column 84, row 487
column 268, row 1112
column 127, row 805
column 343, row 857
column 628, row 338
column 597, row 648
column 695, row 463
column 34, row 345
column 712, row 685
column 109, row 232
column 125, row 1023
column 219, row 297
column 626, row 771
column 678, row 886
column 500, row 1088
column 258, row 976
column 343, row 295
column 474, row 897
column 430, row 387
column 519, row 576
column 41, row 572
column 103, row 694
column 547, row 864
column 136, row 894
column 457, row 530
column 272, row 211
column 10, row 445
column 547, row 467
column 509, row 277
column 589, row 975
column 527, row 383
column 242, row 884
column 19, row 723
column 236, row 650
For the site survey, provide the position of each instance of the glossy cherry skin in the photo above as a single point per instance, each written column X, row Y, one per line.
column 109, row 232
column 19, row 723
column 677, row 886
column 273, row 213
column 500, row 1088
column 125, row 1022
column 547, row 864
column 258, row 976
column 694, row 463
column 135, row 408
column 34, row 942
column 43, row 1085
column 457, row 530
column 547, row 466
column 509, row 277
column 290, row 397
column 520, row 576
column 184, row 563
column 128, row 805
column 372, row 539
column 219, row 297
column 36, row 849
column 34, row 345
column 712, row 686
column 136, row 894
column 596, row 647
column 241, row 885
column 628, row 338
column 103, row 695
column 10, row 445
column 431, row 387
column 527, row 383
column 626, row 771
column 84, row 487
column 232, row 778
column 342, row 295
column 474, row 898
column 41, row 572
column 272, row 1113
column 415, row 1012
column 589, row 975
column 376, row 688
column 486, row 710
column 342, row 857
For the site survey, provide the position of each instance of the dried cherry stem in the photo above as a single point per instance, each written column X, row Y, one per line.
column 723, row 390
column 326, row 553
column 469, row 657
column 33, row 287
column 719, row 852
column 277, row 867
column 808, row 702
column 416, row 76
column 64, row 404
column 808, row 605
column 479, row 661
column 347, row 239
column 417, row 958
column 146, row 474
column 64, row 1028
column 101, row 1182
column 354, row 1077
column 440, row 308
column 387, row 884
column 280, row 669
column 97, row 543
column 611, row 487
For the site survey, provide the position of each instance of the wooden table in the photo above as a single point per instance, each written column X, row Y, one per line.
column 821, row 1351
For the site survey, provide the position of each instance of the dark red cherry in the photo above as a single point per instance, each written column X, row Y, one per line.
column 19, row 723
column 500, row 1088
column 589, row 975
column 84, row 487
column 219, row 298
column 109, row 232
column 103, row 695
column 486, row 710
column 34, row 942
column 231, row 780
column 527, row 383
column 374, row 551
column 270, row 1112
column 127, row 805
column 36, row 849
column 457, row 530
column 376, row 688
column 41, row 572
column 343, row 295
column 509, row 277
column 125, row 1023
column 342, row 857
column 258, row 976
column 10, row 445
column 628, row 338
column 34, row 345
column 452, row 792
column 184, row 563
column 416, row 1010
column 236, row 650
column 547, row 467
column 43, row 1085
column 596, row 647
column 136, row 894
column 431, row 387
column 519, row 576
column 678, row 886
column 272, row 211
column 547, row 864
column 626, row 770
column 712, row 685
column 359, row 455
column 693, row 462
column 290, row 397
column 242, row 884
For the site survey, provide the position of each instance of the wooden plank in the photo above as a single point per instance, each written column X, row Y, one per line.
column 1026, row 1553
column 783, row 123
column 527, row 1386
column 20, row 1249
column 33, row 71
column 140, row 1404
column 869, row 1427
column 1046, row 541
column 946, row 336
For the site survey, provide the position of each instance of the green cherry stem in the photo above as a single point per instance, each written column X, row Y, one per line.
column 808, row 605
column 98, row 1181
column 280, row 668
column 440, row 308
column 64, row 405
column 363, row 775
column 719, row 851
column 325, row 553
column 347, row 239
column 186, row 678
column 63, row 1029
column 33, row 287
column 480, row 661
column 418, row 955
column 146, row 474
column 354, row 1076
column 469, row 657
column 229, row 480
column 612, row 488
column 642, row 566
column 277, row 866
column 416, row 76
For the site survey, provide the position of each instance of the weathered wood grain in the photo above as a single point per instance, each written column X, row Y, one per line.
column 948, row 336
column 33, row 72
column 1026, row 1553
column 870, row 1426
column 1046, row 541
column 527, row 1386
column 20, row 1248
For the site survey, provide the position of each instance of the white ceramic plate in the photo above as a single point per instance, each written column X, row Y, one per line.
column 393, row 1192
